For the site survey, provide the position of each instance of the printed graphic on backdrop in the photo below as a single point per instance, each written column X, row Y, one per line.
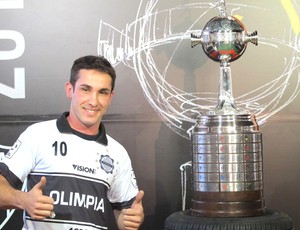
column 135, row 46
column 18, row 90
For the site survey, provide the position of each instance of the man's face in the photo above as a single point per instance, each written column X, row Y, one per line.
column 90, row 99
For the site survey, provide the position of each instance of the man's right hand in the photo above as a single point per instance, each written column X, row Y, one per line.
column 36, row 204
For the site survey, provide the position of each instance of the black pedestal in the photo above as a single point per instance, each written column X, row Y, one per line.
column 271, row 220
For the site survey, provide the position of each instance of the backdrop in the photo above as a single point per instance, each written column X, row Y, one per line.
column 162, row 84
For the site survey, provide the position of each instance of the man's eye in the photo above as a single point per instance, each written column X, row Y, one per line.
column 105, row 92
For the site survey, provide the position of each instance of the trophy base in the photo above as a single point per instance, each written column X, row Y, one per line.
column 227, row 166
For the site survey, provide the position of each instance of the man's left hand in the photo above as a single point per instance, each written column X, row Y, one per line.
column 133, row 217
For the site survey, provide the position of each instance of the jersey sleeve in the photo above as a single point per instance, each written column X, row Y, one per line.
column 124, row 187
column 20, row 159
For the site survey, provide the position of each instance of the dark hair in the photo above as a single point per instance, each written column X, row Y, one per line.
column 98, row 63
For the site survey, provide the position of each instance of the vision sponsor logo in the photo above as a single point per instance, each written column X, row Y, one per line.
column 76, row 199
column 84, row 169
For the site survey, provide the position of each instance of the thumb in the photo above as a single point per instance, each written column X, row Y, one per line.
column 41, row 184
column 138, row 198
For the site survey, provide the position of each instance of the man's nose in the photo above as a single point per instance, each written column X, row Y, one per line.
column 93, row 99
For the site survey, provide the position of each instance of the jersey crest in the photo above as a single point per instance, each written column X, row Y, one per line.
column 107, row 163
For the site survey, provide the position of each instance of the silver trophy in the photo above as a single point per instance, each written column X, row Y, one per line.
column 227, row 164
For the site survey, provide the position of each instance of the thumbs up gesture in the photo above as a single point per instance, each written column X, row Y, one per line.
column 134, row 216
column 36, row 204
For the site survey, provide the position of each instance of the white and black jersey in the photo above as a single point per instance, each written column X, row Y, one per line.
column 87, row 176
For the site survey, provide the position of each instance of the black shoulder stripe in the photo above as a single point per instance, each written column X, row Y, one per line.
column 122, row 205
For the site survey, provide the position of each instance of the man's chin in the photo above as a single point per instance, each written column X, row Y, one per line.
column 91, row 122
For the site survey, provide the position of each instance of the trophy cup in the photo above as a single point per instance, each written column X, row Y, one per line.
column 227, row 167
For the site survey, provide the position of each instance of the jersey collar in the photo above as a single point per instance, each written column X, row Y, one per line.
column 64, row 127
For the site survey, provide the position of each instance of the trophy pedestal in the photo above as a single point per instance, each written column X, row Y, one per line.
column 271, row 219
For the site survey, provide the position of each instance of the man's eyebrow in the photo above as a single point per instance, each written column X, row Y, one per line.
column 85, row 85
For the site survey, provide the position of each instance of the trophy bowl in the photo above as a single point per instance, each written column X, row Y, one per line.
column 224, row 39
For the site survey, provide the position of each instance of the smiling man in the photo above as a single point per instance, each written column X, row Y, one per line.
column 78, row 177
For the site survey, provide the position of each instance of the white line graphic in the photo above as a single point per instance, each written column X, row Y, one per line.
column 136, row 47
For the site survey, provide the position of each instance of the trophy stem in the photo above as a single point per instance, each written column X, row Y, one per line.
column 226, row 104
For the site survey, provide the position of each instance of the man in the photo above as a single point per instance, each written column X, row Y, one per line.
column 77, row 176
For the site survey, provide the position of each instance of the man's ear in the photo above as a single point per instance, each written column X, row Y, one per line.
column 69, row 90
column 111, row 96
